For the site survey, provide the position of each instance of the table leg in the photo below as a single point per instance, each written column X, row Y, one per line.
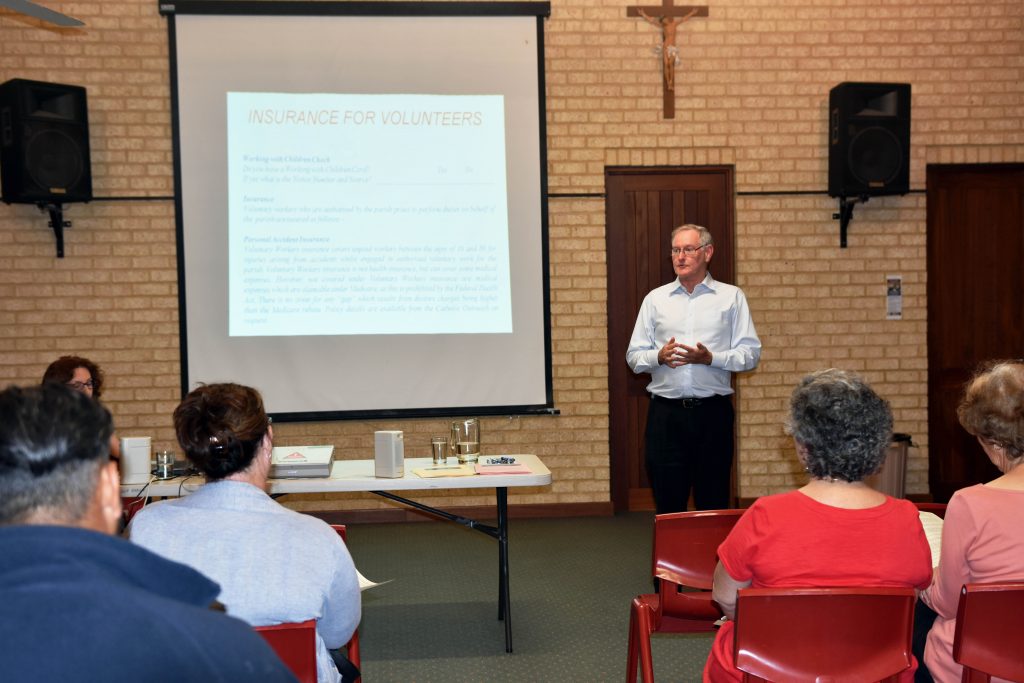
column 504, row 598
column 499, row 533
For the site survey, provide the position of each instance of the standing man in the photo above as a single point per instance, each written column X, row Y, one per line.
column 80, row 604
column 691, row 335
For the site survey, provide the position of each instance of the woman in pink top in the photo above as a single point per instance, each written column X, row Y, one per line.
column 982, row 536
column 836, row 530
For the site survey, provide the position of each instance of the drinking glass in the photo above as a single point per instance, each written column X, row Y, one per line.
column 164, row 464
column 439, row 449
column 467, row 440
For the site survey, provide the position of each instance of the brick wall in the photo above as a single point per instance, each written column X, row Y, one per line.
column 752, row 91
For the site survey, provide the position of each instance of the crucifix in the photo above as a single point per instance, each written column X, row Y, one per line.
column 666, row 17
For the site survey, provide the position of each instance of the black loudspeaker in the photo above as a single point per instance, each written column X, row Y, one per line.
column 44, row 143
column 869, row 139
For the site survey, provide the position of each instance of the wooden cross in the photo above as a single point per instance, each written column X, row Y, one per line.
column 667, row 17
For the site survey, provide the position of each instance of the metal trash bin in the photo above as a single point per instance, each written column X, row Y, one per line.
column 892, row 478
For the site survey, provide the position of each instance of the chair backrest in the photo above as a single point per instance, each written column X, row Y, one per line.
column 295, row 644
column 130, row 505
column 989, row 624
column 934, row 508
column 834, row 634
column 686, row 545
column 352, row 650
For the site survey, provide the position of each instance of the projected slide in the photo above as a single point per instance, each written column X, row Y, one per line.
column 367, row 214
column 362, row 208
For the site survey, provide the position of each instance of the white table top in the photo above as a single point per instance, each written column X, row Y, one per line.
column 357, row 475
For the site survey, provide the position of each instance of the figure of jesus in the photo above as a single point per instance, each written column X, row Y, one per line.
column 668, row 26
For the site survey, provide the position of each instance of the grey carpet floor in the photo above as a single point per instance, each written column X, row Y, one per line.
column 572, row 581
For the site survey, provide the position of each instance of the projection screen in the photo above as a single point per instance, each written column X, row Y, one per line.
column 361, row 205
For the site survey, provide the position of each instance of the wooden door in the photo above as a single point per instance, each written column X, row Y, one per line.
column 975, row 303
column 642, row 207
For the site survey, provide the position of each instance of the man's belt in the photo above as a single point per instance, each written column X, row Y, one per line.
column 688, row 401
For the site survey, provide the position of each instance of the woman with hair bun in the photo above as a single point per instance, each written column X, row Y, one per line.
column 274, row 565
column 982, row 534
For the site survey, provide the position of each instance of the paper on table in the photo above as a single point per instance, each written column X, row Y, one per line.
column 502, row 469
column 283, row 455
column 444, row 471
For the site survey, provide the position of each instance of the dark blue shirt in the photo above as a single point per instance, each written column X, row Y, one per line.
column 78, row 605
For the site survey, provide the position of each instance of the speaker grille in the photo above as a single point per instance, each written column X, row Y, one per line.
column 54, row 161
column 875, row 157
column 869, row 139
column 44, row 143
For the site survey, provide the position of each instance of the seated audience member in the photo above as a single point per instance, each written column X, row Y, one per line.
column 79, row 604
column 81, row 374
column 982, row 535
column 836, row 530
column 273, row 564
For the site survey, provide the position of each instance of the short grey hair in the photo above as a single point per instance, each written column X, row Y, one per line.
column 705, row 234
column 53, row 443
column 842, row 423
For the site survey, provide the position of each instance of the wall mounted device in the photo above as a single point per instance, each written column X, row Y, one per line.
column 44, row 148
column 869, row 145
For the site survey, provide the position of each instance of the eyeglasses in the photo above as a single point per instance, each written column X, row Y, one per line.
column 82, row 386
column 689, row 251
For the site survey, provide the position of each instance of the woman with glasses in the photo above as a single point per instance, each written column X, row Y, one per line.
column 982, row 535
column 274, row 565
column 81, row 374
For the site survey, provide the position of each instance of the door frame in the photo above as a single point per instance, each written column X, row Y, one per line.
column 619, row 375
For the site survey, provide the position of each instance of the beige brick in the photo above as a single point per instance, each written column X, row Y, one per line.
column 752, row 91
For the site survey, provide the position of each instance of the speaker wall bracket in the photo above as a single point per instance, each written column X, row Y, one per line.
column 57, row 222
column 845, row 215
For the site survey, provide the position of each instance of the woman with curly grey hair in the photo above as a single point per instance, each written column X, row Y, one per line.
column 982, row 537
column 841, row 426
column 834, row 531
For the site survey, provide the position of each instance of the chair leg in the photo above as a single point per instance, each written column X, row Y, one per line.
column 644, row 626
column 353, row 652
column 632, row 653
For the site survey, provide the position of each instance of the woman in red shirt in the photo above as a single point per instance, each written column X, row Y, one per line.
column 834, row 531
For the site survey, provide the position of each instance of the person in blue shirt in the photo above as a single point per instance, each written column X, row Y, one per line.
column 274, row 565
column 80, row 604
column 691, row 335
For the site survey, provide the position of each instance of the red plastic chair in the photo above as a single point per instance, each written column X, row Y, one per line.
column 935, row 508
column 989, row 624
column 131, row 505
column 295, row 644
column 685, row 555
column 352, row 647
column 852, row 635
